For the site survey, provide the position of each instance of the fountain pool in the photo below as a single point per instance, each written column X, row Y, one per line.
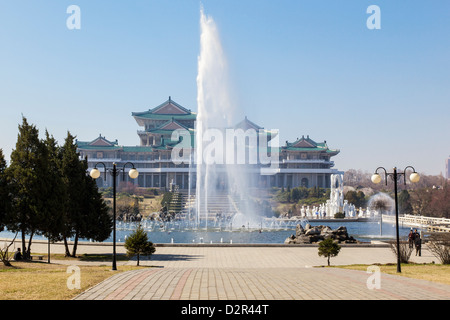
column 178, row 232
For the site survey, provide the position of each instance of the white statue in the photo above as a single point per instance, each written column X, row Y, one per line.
column 337, row 189
column 351, row 210
column 346, row 213
column 361, row 212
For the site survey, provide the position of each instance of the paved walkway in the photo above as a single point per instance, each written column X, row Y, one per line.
column 262, row 273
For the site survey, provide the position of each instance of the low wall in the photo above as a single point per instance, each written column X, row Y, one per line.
column 376, row 244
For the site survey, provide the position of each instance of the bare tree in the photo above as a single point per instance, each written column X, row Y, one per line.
column 405, row 250
column 4, row 252
column 421, row 199
column 439, row 244
column 440, row 202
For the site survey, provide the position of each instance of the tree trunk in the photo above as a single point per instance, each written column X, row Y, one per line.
column 4, row 254
column 75, row 245
column 66, row 246
column 138, row 259
column 6, row 263
column 328, row 260
column 29, row 245
column 4, row 257
column 24, row 247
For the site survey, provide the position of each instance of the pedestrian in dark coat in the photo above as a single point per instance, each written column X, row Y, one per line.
column 418, row 243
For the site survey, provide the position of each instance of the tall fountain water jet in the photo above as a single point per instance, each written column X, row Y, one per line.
column 217, row 181
column 215, row 110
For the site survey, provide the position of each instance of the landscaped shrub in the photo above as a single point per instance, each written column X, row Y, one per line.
column 339, row 215
column 405, row 250
column 439, row 244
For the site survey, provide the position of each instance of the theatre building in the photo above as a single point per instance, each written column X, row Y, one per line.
column 302, row 162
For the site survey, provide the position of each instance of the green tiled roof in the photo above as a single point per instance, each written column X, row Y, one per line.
column 88, row 147
column 137, row 149
column 161, row 131
column 310, row 149
column 150, row 114
column 113, row 148
column 171, row 102
column 315, row 146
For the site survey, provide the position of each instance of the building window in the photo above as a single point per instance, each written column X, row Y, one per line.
column 320, row 181
column 99, row 155
column 163, row 180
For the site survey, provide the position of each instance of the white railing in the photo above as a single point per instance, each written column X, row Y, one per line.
column 431, row 223
column 424, row 220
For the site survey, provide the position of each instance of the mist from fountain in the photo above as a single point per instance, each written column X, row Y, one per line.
column 381, row 203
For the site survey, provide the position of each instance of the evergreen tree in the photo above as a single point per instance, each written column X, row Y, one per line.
column 328, row 248
column 404, row 202
column 165, row 202
column 46, row 190
column 356, row 198
column 361, row 199
column 4, row 194
column 138, row 244
column 95, row 222
column 295, row 194
column 99, row 221
column 86, row 213
column 74, row 173
column 25, row 179
column 53, row 191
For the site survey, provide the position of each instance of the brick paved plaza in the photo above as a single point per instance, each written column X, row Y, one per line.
column 256, row 273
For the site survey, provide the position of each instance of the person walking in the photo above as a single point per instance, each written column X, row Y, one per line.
column 411, row 239
column 418, row 243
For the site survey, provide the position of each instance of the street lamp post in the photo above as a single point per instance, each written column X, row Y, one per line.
column 95, row 174
column 395, row 175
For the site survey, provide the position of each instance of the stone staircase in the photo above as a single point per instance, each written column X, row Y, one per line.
column 218, row 205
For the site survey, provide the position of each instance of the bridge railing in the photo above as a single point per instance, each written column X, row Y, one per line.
column 425, row 220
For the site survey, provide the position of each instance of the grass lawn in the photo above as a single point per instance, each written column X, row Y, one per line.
column 431, row 272
column 38, row 280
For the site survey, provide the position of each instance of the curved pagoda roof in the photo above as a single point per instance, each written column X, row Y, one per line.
column 166, row 111
column 307, row 144
column 102, row 144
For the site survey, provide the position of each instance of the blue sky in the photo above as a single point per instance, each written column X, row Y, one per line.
column 305, row 67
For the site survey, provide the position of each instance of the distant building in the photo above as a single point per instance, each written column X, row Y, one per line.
column 302, row 162
column 447, row 168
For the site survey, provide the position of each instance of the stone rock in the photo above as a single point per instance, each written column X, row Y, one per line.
column 290, row 239
column 299, row 230
column 326, row 231
column 340, row 230
column 328, row 236
column 313, row 231
column 303, row 239
column 311, row 234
